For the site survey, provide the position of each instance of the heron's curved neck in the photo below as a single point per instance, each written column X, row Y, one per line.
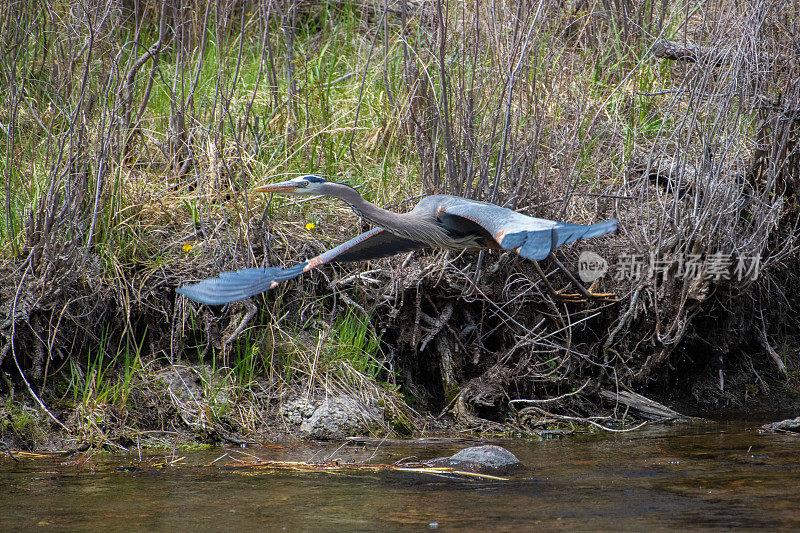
column 367, row 210
column 407, row 225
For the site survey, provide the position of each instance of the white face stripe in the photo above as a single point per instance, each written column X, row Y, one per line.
column 306, row 185
column 310, row 181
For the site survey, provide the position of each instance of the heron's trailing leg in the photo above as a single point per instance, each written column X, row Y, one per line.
column 583, row 293
column 553, row 292
column 559, row 295
column 586, row 293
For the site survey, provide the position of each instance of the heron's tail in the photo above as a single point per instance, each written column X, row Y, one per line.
column 601, row 228
column 232, row 286
column 565, row 232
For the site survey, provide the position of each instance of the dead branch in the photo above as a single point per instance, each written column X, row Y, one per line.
column 772, row 353
column 646, row 407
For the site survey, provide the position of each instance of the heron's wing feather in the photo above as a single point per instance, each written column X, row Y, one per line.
column 237, row 285
column 378, row 243
column 232, row 286
column 533, row 238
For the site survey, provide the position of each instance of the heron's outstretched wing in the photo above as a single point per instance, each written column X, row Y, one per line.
column 232, row 286
column 533, row 238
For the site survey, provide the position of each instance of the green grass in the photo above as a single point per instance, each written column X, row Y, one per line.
column 107, row 377
column 16, row 418
column 355, row 344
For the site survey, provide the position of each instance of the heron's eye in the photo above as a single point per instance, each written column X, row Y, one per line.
column 304, row 184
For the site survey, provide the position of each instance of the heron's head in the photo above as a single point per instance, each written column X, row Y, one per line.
column 303, row 186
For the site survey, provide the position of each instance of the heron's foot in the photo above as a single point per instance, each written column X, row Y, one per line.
column 584, row 295
column 569, row 297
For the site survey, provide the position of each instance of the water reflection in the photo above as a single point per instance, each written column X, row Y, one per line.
column 703, row 475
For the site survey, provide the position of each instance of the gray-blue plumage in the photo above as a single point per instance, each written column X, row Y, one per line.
column 237, row 285
column 438, row 221
column 534, row 237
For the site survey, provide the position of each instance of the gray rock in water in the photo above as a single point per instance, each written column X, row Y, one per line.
column 337, row 418
column 488, row 459
column 790, row 425
column 489, row 455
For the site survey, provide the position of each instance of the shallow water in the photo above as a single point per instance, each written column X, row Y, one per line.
column 703, row 475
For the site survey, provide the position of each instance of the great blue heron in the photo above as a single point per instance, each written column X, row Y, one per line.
column 438, row 221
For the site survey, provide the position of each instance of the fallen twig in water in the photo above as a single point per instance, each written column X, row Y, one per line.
column 337, row 467
column 582, row 420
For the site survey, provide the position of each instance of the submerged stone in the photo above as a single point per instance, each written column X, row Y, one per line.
column 489, row 455
column 487, row 459
column 790, row 425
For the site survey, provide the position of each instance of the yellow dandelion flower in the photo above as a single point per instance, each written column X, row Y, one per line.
column 311, row 225
column 187, row 248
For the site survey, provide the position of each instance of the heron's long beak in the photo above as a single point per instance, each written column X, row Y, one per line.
column 282, row 187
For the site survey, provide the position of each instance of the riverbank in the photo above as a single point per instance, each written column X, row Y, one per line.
column 185, row 407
